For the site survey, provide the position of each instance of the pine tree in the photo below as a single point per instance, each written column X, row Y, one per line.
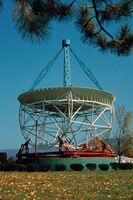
column 93, row 18
column 102, row 23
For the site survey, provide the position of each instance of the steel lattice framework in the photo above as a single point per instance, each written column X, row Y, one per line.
column 76, row 115
column 72, row 114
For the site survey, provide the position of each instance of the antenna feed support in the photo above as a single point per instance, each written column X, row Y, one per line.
column 65, row 43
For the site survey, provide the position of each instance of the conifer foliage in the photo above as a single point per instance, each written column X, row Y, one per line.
column 102, row 23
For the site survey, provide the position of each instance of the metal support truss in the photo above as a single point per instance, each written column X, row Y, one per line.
column 76, row 121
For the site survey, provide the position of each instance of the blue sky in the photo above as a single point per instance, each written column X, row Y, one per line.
column 21, row 62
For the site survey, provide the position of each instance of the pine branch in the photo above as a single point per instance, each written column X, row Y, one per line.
column 117, row 11
column 33, row 17
column 32, row 25
column 98, row 20
column 122, row 45
column 65, row 11
column 51, row 8
column 124, row 41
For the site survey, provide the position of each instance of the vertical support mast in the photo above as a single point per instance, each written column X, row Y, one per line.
column 67, row 72
column 36, row 138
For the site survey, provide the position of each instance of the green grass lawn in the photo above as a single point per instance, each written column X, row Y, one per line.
column 66, row 185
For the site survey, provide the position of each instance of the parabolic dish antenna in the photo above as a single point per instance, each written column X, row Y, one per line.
column 76, row 115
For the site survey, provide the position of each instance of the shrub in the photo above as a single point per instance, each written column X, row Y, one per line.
column 20, row 167
column 11, row 160
column 8, row 167
column 76, row 167
column 125, row 166
column 114, row 165
column 43, row 168
column 91, row 166
column 104, row 167
column 31, row 167
column 60, row 167
column 3, row 167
